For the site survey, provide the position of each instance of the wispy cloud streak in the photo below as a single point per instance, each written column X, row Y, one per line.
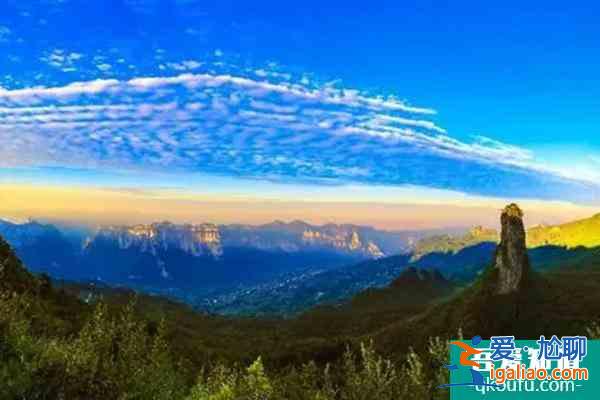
column 238, row 126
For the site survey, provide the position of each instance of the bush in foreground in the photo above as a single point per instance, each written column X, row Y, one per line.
column 117, row 356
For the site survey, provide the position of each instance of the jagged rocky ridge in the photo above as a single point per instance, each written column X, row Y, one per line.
column 193, row 239
column 211, row 239
column 183, row 258
column 266, row 264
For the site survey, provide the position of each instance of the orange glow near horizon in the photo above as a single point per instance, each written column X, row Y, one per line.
column 123, row 206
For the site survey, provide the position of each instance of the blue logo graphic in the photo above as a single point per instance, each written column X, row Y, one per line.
column 468, row 351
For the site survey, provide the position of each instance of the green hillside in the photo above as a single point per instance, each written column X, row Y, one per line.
column 585, row 232
column 54, row 345
column 453, row 244
column 557, row 303
column 321, row 333
column 561, row 301
column 581, row 233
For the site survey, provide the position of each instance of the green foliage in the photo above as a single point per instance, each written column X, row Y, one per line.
column 219, row 384
column 112, row 357
column 308, row 382
column 224, row 383
column 116, row 356
column 55, row 347
column 362, row 375
column 593, row 331
column 368, row 377
column 426, row 372
column 18, row 350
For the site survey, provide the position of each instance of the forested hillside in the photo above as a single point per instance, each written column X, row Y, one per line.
column 54, row 346
column 89, row 342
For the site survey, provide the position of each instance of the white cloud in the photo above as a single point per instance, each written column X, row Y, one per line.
column 186, row 65
column 104, row 67
column 39, row 94
column 261, row 105
column 232, row 125
column 61, row 59
column 326, row 95
column 5, row 33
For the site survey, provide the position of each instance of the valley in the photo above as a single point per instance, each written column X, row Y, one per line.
column 267, row 200
column 410, row 316
column 278, row 269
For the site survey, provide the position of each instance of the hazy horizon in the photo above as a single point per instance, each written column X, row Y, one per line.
column 208, row 118
column 109, row 207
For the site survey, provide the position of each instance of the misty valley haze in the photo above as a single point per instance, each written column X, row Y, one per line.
column 278, row 268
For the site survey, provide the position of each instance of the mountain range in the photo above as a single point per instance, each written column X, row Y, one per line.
column 278, row 268
column 459, row 257
column 584, row 232
column 290, row 237
column 65, row 328
column 196, row 258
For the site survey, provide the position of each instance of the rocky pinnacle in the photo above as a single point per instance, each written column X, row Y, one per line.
column 511, row 258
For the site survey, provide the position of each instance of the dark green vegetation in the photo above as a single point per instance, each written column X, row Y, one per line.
column 321, row 334
column 283, row 284
column 53, row 346
column 460, row 258
column 292, row 295
column 510, row 298
column 555, row 303
column 301, row 293
column 117, row 344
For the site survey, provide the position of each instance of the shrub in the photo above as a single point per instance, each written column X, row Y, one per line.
column 110, row 358
column 115, row 356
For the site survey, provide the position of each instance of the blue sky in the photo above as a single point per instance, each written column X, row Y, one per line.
column 493, row 100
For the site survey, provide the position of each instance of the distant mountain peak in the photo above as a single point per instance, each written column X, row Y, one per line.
column 482, row 232
column 342, row 238
column 453, row 244
column 194, row 239
column 413, row 276
column 206, row 238
column 16, row 220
